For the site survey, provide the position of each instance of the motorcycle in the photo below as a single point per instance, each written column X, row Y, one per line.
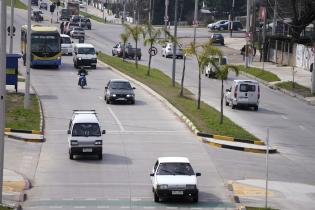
column 82, row 78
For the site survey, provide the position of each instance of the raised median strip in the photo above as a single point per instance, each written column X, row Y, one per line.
column 229, row 138
column 238, row 146
column 12, row 130
column 28, row 137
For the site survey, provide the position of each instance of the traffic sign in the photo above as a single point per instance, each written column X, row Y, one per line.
column 13, row 29
column 153, row 51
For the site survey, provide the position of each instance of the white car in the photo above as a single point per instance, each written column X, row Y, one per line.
column 84, row 134
column 167, row 51
column 66, row 44
column 174, row 177
column 243, row 93
column 210, row 70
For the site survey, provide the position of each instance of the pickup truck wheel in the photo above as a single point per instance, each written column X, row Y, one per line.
column 156, row 197
column 195, row 199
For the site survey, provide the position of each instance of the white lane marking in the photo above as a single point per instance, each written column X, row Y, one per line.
column 168, row 207
column 195, row 208
column 101, row 98
column 302, row 127
column 284, row 117
column 136, row 199
column 103, row 207
column 149, row 207
column 91, row 199
column 112, row 199
column 124, row 207
column 55, row 207
column 80, row 207
column 68, row 199
column 116, row 119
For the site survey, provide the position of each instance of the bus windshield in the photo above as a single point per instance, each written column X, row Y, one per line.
column 45, row 43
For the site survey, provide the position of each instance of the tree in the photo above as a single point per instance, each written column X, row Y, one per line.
column 203, row 53
column 124, row 38
column 222, row 73
column 135, row 32
column 150, row 36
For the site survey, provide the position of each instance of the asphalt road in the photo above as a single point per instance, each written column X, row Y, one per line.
column 290, row 121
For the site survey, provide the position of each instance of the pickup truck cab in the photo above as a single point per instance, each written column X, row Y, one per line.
column 84, row 134
column 130, row 51
column 174, row 177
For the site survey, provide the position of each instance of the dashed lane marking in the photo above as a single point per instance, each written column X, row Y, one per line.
column 284, row 117
column 302, row 127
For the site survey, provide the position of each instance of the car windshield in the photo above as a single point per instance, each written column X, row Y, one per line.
column 120, row 85
column 247, row 88
column 78, row 29
column 65, row 40
column 86, row 50
column 86, row 129
column 85, row 20
column 175, row 169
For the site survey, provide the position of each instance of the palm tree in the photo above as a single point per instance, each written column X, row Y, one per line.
column 203, row 53
column 222, row 73
column 134, row 32
column 150, row 36
column 124, row 38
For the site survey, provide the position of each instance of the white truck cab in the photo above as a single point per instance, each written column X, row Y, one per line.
column 243, row 93
column 84, row 55
column 84, row 134
column 174, row 177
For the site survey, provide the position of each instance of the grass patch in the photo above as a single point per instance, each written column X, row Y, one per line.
column 18, row 4
column 206, row 119
column 5, row 208
column 296, row 88
column 20, row 79
column 93, row 17
column 259, row 208
column 19, row 118
column 259, row 73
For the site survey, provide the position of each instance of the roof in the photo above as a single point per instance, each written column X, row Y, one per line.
column 173, row 160
column 245, row 81
column 64, row 35
column 78, row 45
column 41, row 28
column 84, row 116
column 119, row 80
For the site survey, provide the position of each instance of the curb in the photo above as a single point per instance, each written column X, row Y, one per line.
column 24, row 139
column 229, row 138
column 9, row 130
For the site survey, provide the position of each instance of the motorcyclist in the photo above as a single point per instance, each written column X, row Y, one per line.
column 82, row 72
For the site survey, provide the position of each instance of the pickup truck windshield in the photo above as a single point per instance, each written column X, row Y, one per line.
column 175, row 169
column 86, row 129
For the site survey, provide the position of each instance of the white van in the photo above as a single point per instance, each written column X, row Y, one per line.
column 84, row 134
column 243, row 93
column 84, row 55
column 66, row 44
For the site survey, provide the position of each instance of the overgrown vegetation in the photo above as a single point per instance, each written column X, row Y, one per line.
column 259, row 73
column 19, row 118
column 295, row 88
column 206, row 119
column 18, row 4
column 93, row 17
column 5, row 208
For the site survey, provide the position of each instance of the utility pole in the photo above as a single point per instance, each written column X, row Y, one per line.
column 150, row 10
column 275, row 14
column 166, row 16
column 174, row 44
column 124, row 12
column 11, row 26
column 2, row 86
column 28, row 57
column 267, row 169
column 248, row 16
column 195, row 20
column 232, row 18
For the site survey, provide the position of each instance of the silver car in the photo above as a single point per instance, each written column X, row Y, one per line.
column 77, row 32
column 167, row 51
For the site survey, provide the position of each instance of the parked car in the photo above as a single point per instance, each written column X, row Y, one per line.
column 43, row 5
column 69, row 26
column 37, row 16
column 85, row 23
column 84, row 56
column 167, row 51
column 217, row 38
column 84, row 134
column 174, row 177
column 237, row 26
column 119, row 90
column 212, row 26
column 210, row 70
column 77, row 32
column 243, row 93
column 66, row 44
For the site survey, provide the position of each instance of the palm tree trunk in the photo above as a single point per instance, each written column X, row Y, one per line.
column 136, row 54
column 124, row 51
column 199, row 89
column 221, row 118
column 183, row 76
column 150, row 57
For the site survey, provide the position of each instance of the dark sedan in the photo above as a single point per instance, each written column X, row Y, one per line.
column 119, row 90
column 217, row 38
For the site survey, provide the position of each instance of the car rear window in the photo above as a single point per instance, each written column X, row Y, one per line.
column 247, row 88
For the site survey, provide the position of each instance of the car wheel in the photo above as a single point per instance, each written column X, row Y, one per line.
column 156, row 197
column 196, row 198
column 226, row 103
column 256, row 108
column 107, row 101
column 139, row 58
column 221, row 28
column 100, row 155
column 233, row 106
column 222, row 43
column 93, row 67
column 70, row 155
column 132, row 102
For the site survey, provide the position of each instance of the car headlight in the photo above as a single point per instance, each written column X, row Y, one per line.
column 74, row 142
column 191, row 186
column 58, row 58
column 114, row 95
column 98, row 142
column 80, row 58
column 162, row 186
